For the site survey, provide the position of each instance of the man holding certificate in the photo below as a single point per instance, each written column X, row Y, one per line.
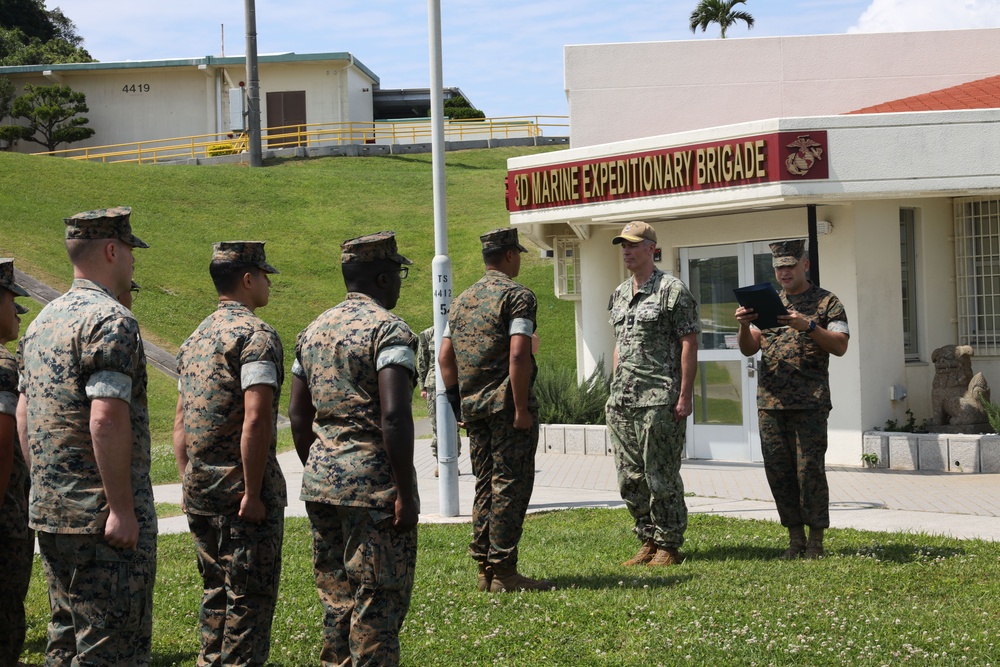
column 793, row 395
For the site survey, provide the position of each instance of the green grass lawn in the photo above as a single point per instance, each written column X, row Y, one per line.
column 304, row 209
column 877, row 599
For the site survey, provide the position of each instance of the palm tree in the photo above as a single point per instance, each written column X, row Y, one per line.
column 718, row 11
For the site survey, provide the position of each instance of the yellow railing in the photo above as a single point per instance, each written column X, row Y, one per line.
column 321, row 134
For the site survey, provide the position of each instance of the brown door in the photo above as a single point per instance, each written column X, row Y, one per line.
column 286, row 119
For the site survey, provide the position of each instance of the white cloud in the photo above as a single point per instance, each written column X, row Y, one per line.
column 913, row 15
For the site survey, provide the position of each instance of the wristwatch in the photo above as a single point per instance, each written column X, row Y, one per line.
column 812, row 327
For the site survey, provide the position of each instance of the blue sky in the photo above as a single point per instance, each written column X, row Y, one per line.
column 506, row 56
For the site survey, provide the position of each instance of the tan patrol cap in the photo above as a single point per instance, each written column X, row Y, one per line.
column 635, row 232
column 371, row 248
column 104, row 223
column 242, row 252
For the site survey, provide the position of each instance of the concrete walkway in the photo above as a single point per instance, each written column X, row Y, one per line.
column 958, row 505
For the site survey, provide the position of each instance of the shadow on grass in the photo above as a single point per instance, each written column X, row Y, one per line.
column 899, row 552
column 173, row 658
column 636, row 579
column 741, row 552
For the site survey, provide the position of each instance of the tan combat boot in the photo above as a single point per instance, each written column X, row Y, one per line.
column 507, row 580
column 796, row 543
column 644, row 555
column 814, row 548
column 485, row 578
column 665, row 556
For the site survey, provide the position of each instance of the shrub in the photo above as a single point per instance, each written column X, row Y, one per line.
column 561, row 400
column 992, row 413
column 224, row 148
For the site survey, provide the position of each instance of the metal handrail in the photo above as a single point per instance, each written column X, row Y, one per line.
column 315, row 134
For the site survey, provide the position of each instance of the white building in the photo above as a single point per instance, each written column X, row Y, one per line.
column 160, row 99
column 726, row 145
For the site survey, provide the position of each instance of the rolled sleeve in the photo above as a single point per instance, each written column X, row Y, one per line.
column 839, row 326
column 259, row 372
column 8, row 403
column 396, row 355
column 521, row 326
column 109, row 384
column 297, row 369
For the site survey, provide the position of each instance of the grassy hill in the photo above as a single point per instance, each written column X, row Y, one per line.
column 304, row 209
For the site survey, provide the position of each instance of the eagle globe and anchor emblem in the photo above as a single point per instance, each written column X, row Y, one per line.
column 807, row 152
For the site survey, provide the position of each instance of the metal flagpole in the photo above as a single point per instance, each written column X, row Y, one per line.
column 441, row 269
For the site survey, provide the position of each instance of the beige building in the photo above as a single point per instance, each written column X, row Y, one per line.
column 159, row 99
column 726, row 145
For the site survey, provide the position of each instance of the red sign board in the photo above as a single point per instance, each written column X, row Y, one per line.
column 765, row 158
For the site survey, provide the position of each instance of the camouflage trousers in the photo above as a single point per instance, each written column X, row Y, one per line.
column 793, row 443
column 648, row 445
column 364, row 574
column 240, row 565
column 101, row 599
column 503, row 461
column 432, row 415
column 15, row 576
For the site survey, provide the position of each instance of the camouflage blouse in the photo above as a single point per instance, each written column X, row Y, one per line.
column 794, row 371
column 14, row 509
column 648, row 328
column 230, row 351
column 339, row 356
column 480, row 324
column 83, row 346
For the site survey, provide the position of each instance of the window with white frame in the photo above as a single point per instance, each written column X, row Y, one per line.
column 567, row 256
column 977, row 273
column 908, row 278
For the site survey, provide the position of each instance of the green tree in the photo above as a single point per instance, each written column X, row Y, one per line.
column 721, row 12
column 7, row 94
column 33, row 35
column 53, row 115
column 458, row 108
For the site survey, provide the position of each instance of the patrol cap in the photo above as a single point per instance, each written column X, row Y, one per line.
column 104, row 223
column 7, row 283
column 242, row 252
column 787, row 253
column 498, row 239
column 371, row 248
column 635, row 232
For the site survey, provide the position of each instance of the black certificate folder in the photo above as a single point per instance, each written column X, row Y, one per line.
column 764, row 301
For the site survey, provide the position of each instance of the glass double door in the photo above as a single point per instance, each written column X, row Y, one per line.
column 724, row 423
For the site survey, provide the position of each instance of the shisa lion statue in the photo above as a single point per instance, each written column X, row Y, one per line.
column 956, row 392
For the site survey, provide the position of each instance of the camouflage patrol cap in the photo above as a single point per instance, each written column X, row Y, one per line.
column 7, row 283
column 242, row 252
column 635, row 232
column 787, row 253
column 371, row 248
column 104, row 223
column 499, row 239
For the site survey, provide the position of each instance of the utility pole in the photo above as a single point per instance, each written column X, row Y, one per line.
column 253, row 86
column 441, row 272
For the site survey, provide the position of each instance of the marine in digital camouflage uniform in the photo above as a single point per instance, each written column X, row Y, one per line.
column 17, row 541
column 656, row 326
column 427, row 381
column 231, row 371
column 83, row 373
column 793, row 395
column 490, row 329
column 352, row 388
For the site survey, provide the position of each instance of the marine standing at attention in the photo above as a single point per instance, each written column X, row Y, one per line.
column 225, row 436
column 489, row 370
column 84, row 378
column 352, row 389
